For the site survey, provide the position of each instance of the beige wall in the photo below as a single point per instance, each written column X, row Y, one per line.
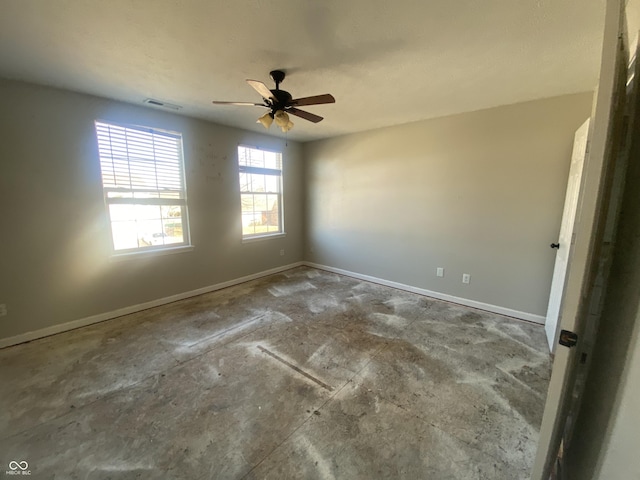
column 479, row 193
column 55, row 246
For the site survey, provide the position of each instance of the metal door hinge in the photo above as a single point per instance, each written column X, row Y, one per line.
column 568, row 339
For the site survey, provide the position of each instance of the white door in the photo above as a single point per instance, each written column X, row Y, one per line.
column 563, row 244
column 576, row 295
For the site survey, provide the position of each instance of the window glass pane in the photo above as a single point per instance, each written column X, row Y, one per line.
column 135, row 226
column 257, row 183
column 121, row 213
column 172, row 224
column 248, row 224
column 260, row 202
column 125, row 235
column 247, row 203
column 244, row 182
column 150, row 232
column 171, row 211
column 271, row 160
column 272, row 183
column 273, row 213
column 172, row 231
column 147, row 212
column 252, row 157
column 272, row 202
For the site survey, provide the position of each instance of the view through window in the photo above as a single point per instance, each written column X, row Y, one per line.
column 144, row 188
column 260, row 191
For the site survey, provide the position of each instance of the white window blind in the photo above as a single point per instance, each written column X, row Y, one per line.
column 144, row 188
column 136, row 159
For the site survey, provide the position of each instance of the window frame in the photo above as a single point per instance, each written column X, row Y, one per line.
column 181, row 200
column 262, row 171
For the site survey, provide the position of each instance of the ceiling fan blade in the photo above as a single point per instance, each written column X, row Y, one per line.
column 261, row 88
column 306, row 115
column 249, row 104
column 315, row 100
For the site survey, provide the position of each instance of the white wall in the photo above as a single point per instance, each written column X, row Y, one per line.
column 55, row 244
column 479, row 193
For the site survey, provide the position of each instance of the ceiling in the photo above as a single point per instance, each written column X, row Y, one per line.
column 386, row 62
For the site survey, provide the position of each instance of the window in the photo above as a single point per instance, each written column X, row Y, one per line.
column 144, row 189
column 260, row 192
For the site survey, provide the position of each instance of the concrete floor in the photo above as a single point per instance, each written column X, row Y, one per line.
column 301, row 375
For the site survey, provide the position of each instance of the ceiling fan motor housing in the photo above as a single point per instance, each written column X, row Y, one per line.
column 282, row 99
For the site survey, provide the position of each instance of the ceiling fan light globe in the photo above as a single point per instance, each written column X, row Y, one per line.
column 281, row 118
column 266, row 120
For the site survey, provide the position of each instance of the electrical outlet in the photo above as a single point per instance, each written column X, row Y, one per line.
column 439, row 272
column 3, row 309
column 282, row 252
column 466, row 278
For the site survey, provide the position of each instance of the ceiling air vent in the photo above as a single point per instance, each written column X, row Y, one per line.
column 159, row 103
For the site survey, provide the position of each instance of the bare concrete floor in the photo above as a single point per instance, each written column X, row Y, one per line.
column 301, row 375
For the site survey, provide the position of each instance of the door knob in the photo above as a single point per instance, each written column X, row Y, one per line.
column 555, row 245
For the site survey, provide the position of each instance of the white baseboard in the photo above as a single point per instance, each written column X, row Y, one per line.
column 101, row 317
column 530, row 317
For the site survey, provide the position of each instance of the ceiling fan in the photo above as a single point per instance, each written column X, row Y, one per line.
column 281, row 104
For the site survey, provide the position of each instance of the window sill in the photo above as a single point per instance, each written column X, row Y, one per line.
column 119, row 257
column 259, row 238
